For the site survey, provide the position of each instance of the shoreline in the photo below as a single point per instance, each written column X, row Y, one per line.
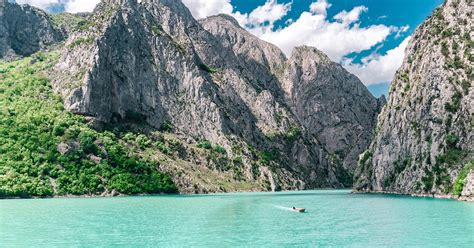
column 434, row 196
column 110, row 195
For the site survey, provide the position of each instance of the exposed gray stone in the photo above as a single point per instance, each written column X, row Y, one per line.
column 153, row 62
column 425, row 133
column 468, row 190
column 25, row 30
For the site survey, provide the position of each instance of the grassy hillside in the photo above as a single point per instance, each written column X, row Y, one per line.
column 47, row 151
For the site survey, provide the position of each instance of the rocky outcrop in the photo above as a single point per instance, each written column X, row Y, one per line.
column 25, row 30
column 467, row 194
column 424, row 135
column 152, row 62
column 332, row 104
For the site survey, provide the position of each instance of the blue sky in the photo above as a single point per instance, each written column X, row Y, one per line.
column 367, row 37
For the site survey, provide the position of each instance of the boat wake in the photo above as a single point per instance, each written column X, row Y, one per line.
column 283, row 208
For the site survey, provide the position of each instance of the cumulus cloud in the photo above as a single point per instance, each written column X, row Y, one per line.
column 270, row 12
column 71, row 6
column 377, row 68
column 319, row 7
column 204, row 8
column 351, row 16
column 43, row 4
column 336, row 38
column 76, row 6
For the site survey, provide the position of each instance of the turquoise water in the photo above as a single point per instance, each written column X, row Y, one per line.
column 334, row 218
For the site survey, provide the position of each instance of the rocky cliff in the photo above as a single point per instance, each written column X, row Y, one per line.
column 25, row 30
column 238, row 113
column 332, row 104
column 424, row 138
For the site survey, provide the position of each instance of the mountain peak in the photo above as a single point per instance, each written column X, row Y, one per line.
column 120, row 2
column 225, row 17
column 311, row 53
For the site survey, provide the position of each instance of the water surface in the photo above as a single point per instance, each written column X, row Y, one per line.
column 334, row 218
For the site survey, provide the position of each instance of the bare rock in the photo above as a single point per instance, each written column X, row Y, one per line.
column 424, row 135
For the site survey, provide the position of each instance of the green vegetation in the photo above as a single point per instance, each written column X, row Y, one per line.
column 205, row 144
column 257, row 85
column 264, row 157
column 461, row 179
column 84, row 25
column 452, row 140
column 438, row 13
column 466, row 84
column 206, row 68
column 447, row 33
column 82, row 40
column 407, row 87
column 398, row 167
column 427, row 180
column 456, row 63
column 166, row 126
column 455, row 46
column 455, row 103
column 293, row 134
column 67, row 21
column 367, row 155
column 444, row 49
column 47, row 151
column 452, row 154
column 219, row 149
column 156, row 29
column 417, row 128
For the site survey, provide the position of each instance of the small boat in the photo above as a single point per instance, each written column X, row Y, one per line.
column 300, row 210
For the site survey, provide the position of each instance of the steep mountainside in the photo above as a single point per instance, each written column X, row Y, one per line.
column 332, row 104
column 424, row 138
column 25, row 30
column 211, row 105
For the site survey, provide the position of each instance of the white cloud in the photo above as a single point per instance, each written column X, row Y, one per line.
column 319, row 7
column 43, row 4
column 351, row 16
column 378, row 68
column 337, row 39
column 204, row 8
column 270, row 12
column 401, row 30
column 72, row 6
column 76, row 6
column 262, row 19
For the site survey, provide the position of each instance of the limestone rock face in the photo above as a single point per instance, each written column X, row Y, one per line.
column 152, row 62
column 332, row 104
column 25, row 30
column 424, row 135
column 468, row 189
